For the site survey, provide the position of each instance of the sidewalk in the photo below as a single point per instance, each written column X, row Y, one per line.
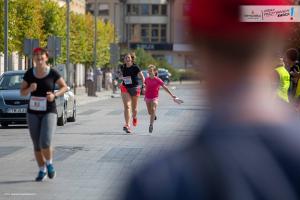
column 82, row 98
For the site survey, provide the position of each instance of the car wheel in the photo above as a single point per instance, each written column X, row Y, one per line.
column 73, row 118
column 62, row 120
column 166, row 82
column 4, row 124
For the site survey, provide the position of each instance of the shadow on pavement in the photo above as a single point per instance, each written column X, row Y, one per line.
column 16, row 182
column 14, row 127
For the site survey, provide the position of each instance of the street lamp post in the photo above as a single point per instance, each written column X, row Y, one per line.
column 68, row 42
column 95, row 33
column 95, row 47
column 5, row 35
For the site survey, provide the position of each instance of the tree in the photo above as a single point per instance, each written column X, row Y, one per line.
column 25, row 21
column 43, row 18
column 54, row 24
column 144, row 59
column 77, row 38
column 89, row 35
column 29, row 22
column 105, row 37
column 53, row 17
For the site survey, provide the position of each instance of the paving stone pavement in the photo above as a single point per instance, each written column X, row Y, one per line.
column 93, row 156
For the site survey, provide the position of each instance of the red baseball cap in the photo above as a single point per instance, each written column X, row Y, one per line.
column 39, row 49
column 221, row 19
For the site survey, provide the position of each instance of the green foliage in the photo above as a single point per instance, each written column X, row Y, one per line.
column 77, row 38
column 54, row 24
column 144, row 59
column 25, row 21
column 40, row 19
column 105, row 38
column 89, row 35
column 29, row 21
column 54, row 19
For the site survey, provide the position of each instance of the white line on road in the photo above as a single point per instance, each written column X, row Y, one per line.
column 19, row 194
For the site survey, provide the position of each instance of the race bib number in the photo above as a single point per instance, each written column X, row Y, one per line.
column 38, row 103
column 127, row 80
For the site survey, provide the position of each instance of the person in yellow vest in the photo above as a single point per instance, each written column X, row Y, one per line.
column 283, row 81
column 292, row 65
column 297, row 97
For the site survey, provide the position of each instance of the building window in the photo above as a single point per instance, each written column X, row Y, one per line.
column 154, row 33
column 103, row 10
column 145, row 9
column 164, row 9
column 89, row 6
column 128, row 9
column 145, row 33
column 155, row 9
column 163, row 33
column 133, row 9
column 135, row 30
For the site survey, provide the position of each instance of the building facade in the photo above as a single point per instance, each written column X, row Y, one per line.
column 147, row 24
column 182, row 49
column 77, row 6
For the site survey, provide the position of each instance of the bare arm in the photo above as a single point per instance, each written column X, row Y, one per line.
column 141, row 76
column 26, row 88
column 62, row 89
column 168, row 91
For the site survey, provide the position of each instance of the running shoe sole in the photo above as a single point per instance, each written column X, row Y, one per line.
column 40, row 179
column 52, row 175
column 51, row 172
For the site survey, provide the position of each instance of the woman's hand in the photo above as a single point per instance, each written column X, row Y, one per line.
column 143, row 90
column 32, row 87
column 50, row 96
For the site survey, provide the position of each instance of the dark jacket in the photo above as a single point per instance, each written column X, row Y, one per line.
column 228, row 162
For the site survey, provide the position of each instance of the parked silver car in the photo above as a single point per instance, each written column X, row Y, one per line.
column 13, row 106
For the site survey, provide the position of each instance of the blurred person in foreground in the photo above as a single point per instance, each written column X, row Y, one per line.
column 249, row 147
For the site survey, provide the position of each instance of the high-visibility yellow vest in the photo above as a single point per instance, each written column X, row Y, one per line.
column 284, row 83
column 297, row 94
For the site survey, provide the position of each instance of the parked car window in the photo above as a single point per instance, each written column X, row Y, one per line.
column 11, row 82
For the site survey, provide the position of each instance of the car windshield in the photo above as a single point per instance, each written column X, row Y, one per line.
column 11, row 82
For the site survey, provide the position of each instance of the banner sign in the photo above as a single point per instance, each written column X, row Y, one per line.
column 270, row 13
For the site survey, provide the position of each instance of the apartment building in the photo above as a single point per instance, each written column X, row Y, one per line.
column 153, row 25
